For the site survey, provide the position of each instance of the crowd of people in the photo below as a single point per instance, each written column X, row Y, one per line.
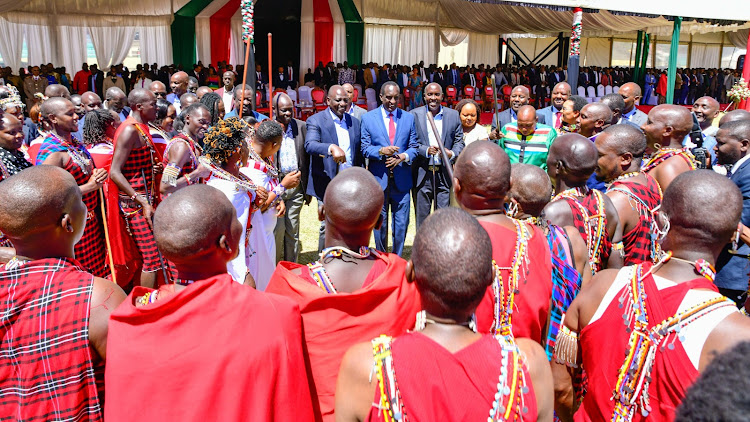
column 594, row 265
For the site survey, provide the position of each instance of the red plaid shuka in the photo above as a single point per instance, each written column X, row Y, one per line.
column 91, row 250
column 47, row 370
column 190, row 165
column 586, row 217
column 638, row 243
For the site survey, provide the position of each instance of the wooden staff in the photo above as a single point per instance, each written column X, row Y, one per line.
column 270, row 79
column 106, row 237
column 494, row 103
column 244, row 77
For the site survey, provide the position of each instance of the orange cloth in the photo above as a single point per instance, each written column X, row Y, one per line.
column 335, row 322
column 215, row 351
column 532, row 302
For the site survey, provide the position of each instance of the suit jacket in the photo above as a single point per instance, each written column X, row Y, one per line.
column 367, row 74
column 96, row 86
column 453, row 139
column 278, row 83
column 321, row 133
column 733, row 270
column 505, row 117
column 400, row 80
column 358, row 112
column 638, row 118
column 547, row 114
column 452, row 79
column 375, row 136
column 299, row 132
column 31, row 87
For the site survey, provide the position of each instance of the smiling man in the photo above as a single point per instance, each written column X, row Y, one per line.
column 519, row 97
column 181, row 166
column 179, row 85
column 526, row 141
column 706, row 109
column 554, row 113
column 433, row 185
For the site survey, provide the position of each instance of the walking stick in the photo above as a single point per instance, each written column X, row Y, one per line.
column 106, row 237
column 495, row 116
column 270, row 79
column 158, row 252
column 244, row 79
column 444, row 154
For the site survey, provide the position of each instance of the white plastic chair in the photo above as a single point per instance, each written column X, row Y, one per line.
column 582, row 91
column 293, row 96
column 600, row 90
column 615, row 90
column 607, row 90
column 372, row 102
column 591, row 94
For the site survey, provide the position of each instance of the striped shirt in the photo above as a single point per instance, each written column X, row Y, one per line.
column 532, row 149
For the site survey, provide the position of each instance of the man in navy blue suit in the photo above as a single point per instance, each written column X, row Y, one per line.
column 732, row 147
column 333, row 142
column 431, row 182
column 389, row 140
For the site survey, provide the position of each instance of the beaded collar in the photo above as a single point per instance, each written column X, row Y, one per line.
column 504, row 305
column 77, row 153
column 319, row 273
column 594, row 235
column 664, row 154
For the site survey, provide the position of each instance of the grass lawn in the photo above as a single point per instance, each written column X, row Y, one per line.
column 310, row 227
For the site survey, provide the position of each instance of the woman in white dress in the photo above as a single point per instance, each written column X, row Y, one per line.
column 468, row 111
column 225, row 152
column 265, row 143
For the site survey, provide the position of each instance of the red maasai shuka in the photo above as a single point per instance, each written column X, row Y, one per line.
column 47, row 368
column 604, row 343
column 581, row 221
column 216, row 351
column 532, row 301
column 644, row 198
column 335, row 322
column 126, row 255
column 437, row 385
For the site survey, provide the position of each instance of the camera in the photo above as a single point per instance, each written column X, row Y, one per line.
column 696, row 137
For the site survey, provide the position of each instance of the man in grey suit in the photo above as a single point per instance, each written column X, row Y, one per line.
column 431, row 181
column 354, row 110
column 631, row 93
column 519, row 97
column 291, row 157
column 553, row 114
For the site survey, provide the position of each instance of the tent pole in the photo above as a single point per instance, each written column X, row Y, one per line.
column 673, row 50
column 644, row 60
column 746, row 75
column 637, row 63
column 575, row 49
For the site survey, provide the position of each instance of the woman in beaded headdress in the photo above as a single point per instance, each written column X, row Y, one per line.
column 225, row 152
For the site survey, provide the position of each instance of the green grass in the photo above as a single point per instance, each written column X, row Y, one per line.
column 310, row 226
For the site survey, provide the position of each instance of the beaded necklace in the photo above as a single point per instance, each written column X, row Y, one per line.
column 595, row 235
column 625, row 176
column 319, row 273
column 666, row 153
column 643, row 210
column 81, row 159
column 15, row 263
column 505, row 301
column 634, row 376
column 272, row 170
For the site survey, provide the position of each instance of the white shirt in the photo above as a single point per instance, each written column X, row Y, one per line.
column 431, row 135
column 227, row 99
column 740, row 162
column 288, row 152
column 342, row 133
column 387, row 120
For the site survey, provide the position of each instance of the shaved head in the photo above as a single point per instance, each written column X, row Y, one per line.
column 452, row 235
column 54, row 105
column 572, row 157
column 734, row 116
column 531, row 188
column 189, row 223
column 631, row 94
column 674, row 116
column 594, row 118
column 519, row 96
column 334, row 89
column 349, row 217
column 203, row 91
column 483, row 174
column 719, row 198
column 139, row 96
column 624, row 138
column 35, row 200
column 527, row 112
column 57, row 90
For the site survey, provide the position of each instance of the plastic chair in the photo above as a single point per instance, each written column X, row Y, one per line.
column 607, row 90
column 450, row 95
column 304, row 94
column 591, row 94
column 293, row 96
column 360, row 98
column 355, row 97
column 507, row 90
column 600, row 90
column 319, row 99
column 487, row 98
column 469, row 91
column 582, row 91
column 372, row 102
column 408, row 93
column 258, row 104
column 615, row 89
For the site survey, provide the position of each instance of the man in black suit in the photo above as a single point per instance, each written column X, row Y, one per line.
column 280, row 79
column 199, row 75
column 96, row 80
column 320, row 74
column 453, row 77
column 431, row 181
column 291, row 74
column 261, row 80
column 519, row 97
column 291, row 157
column 583, row 78
column 333, row 144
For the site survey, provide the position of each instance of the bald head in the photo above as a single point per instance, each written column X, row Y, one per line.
column 483, row 176
column 90, row 101
column 616, row 104
column 140, row 96
column 203, row 90
column 623, row 139
column 530, row 188
column 667, row 124
column 190, row 222
column 349, row 218
column 349, row 88
column 338, row 100
column 116, row 99
column 187, row 99
column 560, row 94
column 54, row 105
column 631, row 94
column 705, row 109
column 35, row 200
column 57, row 90
column 720, row 199
column 451, row 235
column 734, row 116
column 594, row 118
column 159, row 89
column 178, row 82
column 572, row 158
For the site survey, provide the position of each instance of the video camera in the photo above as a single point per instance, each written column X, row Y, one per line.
column 696, row 137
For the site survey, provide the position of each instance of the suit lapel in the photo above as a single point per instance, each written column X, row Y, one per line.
column 422, row 125
column 382, row 125
column 331, row 128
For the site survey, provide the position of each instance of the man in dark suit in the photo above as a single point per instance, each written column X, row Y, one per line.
column 320, row 74
column 431, row 181
column 96, row 80
column 290, row 158
column 333, row 143
column 732, row 147
column 280, row 79
column 583, row 78
column 402, row 78
column 291, row 74
column 389, row 141
column 453, row 77
column 519, row 97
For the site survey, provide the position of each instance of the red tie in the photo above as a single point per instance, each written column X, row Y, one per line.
column 557, row 121
column 391, row 128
